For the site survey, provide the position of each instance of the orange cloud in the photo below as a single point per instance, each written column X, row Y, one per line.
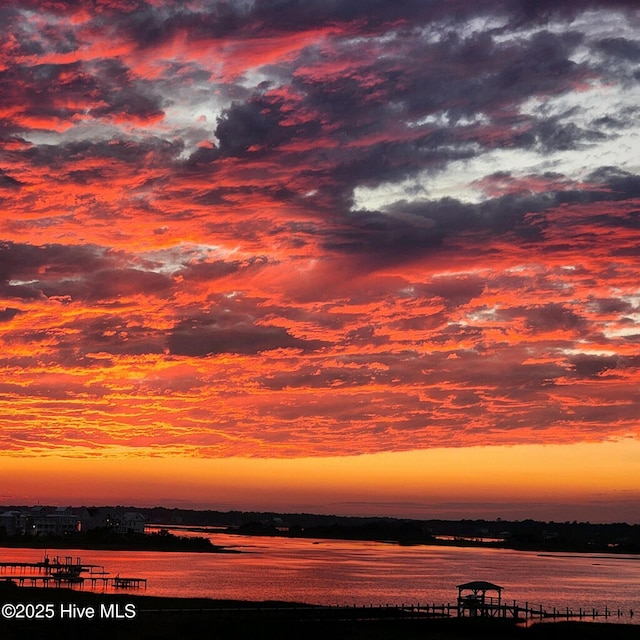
column 230, row 235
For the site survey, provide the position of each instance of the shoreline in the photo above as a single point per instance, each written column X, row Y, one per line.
column 190, row 544
column 457, row 543
column 142, row 542
column 186, row 545
column 165, row 618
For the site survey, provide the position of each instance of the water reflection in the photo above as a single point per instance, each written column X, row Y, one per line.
column 346, row 572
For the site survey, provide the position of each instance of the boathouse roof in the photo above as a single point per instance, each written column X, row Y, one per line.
column 480, row 585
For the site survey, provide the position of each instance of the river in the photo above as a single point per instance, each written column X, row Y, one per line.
column 363, row 573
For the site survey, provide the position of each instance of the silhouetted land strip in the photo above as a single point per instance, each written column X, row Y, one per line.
column 524, row 535
column 104, row 539
column 170, row 618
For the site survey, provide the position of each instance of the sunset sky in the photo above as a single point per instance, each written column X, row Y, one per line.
column 339, row 256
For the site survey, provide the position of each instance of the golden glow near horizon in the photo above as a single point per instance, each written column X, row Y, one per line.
column 308, row 258
column 412, row 482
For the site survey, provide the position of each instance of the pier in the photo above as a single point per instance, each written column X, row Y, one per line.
column 514, row 612
column 64, row 572
column 472, row 603
column 51, row 581
column 128, row 583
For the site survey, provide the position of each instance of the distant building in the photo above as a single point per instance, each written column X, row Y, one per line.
column 61, row 522
column 39, row 521
column 126, row 523
column 10, row 522
column 133, row 522
column 93, row 518
column 44, row 521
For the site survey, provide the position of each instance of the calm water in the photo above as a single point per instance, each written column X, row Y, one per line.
column 344, row 572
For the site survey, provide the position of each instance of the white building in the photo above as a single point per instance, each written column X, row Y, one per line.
column 62, row 521
column 132, row 522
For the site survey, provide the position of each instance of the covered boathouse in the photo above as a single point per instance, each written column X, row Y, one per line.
column 473, row 600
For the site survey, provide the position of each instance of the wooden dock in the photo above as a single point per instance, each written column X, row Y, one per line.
column 64, row 572
column 513, row 612
column 94, row 582
column 47, row 566
column 129, row 583
column 527, row 612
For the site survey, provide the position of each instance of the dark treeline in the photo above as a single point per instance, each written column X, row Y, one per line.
column 106, row 539
column 524, row 535
column 516, row 534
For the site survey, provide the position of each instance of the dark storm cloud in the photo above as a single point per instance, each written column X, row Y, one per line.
column 552, row 135
column 405, row 230
column 7, row 182
column 305, row 14
column 218, row 334
column 547, row 317
column 8, row 314
column 77, row 272
column 220, row 19
column 460, row 75
column 614, row 305
column 498, row 77
column 206, row 270
column 621, row 48
column 264, row 17
column 148, row 152
column 463, row 75
column 617, row 184
column 115, row 335
column 76, row 342
column 627, row 220
column 25, row 261
column 100, row 89
column 478, row 74
column 256, row 123
column 114, row 283
column 456, row 290
column 243, row 126
column 121, row 94
column 536, row 11
column 148, row 27
column 591, row 366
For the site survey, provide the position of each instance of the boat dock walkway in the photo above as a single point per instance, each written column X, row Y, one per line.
column 513, row 611
column 64, row 563
column 94, row 582
column 64, row 571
